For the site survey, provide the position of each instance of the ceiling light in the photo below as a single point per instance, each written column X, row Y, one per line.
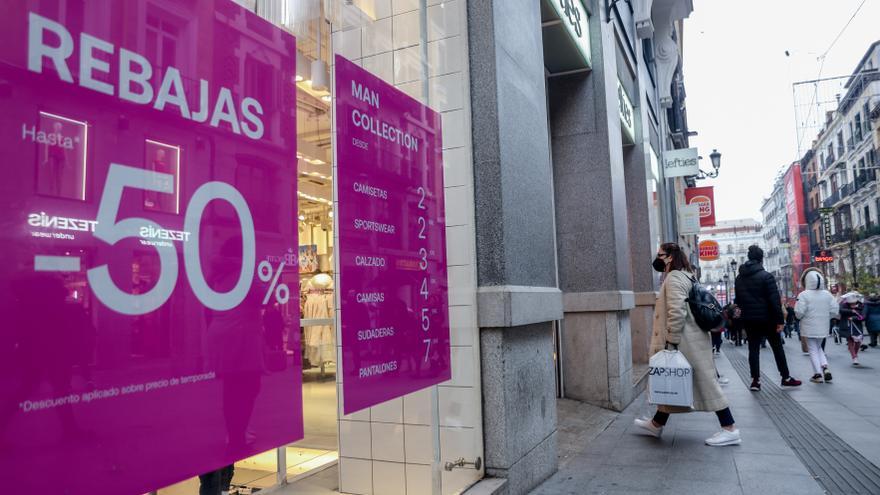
column 320, row 77
column 303, row 67
column 327, row 98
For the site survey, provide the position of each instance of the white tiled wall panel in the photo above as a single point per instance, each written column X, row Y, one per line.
column 459, row 211
column 388, row 412
column 389, row 478
column 381, row 65
column 462, row 367
column 356, row 476
column 401, row 6
column 355, row 439
column 444, row 56
column 417, row 408
column 455, row 132
column 419, row 444
column 387, row 441
column 454, row 174
column 418, row 479
column 443, row 20
column 377, row 37
column 407, row 30
column 458, row 407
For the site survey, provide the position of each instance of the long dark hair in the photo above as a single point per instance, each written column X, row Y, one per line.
column 679, row 259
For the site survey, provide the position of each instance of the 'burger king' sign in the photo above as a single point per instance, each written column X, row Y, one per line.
column 704, row 197
column 709, row 251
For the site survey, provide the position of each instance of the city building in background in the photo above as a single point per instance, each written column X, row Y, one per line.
column 840, row 177
column 734, row 238
column 776, row 242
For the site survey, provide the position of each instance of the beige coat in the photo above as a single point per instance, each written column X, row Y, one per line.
column 674, row 322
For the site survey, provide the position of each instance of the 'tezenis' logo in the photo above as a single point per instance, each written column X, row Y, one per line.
column 663, row 371
column 573, row 14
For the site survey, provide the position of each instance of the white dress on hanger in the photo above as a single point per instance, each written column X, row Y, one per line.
column 320, row 341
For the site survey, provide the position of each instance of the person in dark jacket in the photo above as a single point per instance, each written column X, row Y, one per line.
column 851, row 324
column 872, row 318
column 761, row 314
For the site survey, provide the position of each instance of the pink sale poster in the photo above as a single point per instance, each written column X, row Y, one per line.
column 148, row 194
column 392, row 241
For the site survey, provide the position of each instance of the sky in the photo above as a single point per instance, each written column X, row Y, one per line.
column 738, row 82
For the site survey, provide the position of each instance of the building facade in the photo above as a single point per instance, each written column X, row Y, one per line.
column 776, row 242
column 734, row 238
column 846, row 158
column 555, row 117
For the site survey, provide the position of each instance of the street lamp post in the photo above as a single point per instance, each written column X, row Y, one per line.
column 733, row 264
column 726, row 289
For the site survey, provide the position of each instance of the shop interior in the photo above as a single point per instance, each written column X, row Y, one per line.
column 315, row 337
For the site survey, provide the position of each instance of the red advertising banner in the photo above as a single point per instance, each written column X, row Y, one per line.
column 797, row 223
column 705, row 198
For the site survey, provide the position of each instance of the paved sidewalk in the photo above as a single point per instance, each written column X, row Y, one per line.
column 849, row 405
column 621, row 461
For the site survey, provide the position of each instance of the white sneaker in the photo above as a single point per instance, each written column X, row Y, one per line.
column 855, row 361
column 723, row 438
column 723, row 380
column 647, row 424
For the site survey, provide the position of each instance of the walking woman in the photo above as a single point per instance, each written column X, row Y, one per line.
column 815, row 307
column 872, row 318
column 674, row 326
column 850, row 326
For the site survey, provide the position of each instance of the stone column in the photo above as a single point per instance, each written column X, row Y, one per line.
column 518, row 298
column 593, row 235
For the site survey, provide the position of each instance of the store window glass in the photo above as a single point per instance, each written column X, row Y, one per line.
column 393, row 41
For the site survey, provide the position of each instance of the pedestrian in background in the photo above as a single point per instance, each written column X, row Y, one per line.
column 872, row 318
column 814, row 308
column 850, row 326
column 790, row 321
column 674, row 325
column 734, row 324
column 761, row 313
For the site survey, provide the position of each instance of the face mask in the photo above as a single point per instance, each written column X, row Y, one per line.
column 659, row 265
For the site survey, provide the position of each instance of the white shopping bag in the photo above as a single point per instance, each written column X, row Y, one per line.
column 670, row 379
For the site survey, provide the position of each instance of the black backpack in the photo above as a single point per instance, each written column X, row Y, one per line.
column 704, row 307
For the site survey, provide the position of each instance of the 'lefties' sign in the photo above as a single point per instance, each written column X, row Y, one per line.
column 681, row 163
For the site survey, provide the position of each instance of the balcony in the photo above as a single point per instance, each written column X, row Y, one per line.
column 865, row 177
column 812, row 216
column 829, row 160
column 866, row 232
column 843, row 236
column 847, row 189
column 831, row 200
column 850, row 144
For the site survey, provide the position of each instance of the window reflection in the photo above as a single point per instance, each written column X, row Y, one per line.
column 61, row 155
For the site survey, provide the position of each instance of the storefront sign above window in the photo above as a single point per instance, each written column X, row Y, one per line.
column 627, row 115
column 681, row 163
column 566, row 35
column 823, row 256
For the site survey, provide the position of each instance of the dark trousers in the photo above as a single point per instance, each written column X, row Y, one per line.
column 216, row 481
column 716, row 341
column 725, row 417
column 756, row 332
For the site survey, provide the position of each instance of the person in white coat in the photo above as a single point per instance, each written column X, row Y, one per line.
column 815, row 307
